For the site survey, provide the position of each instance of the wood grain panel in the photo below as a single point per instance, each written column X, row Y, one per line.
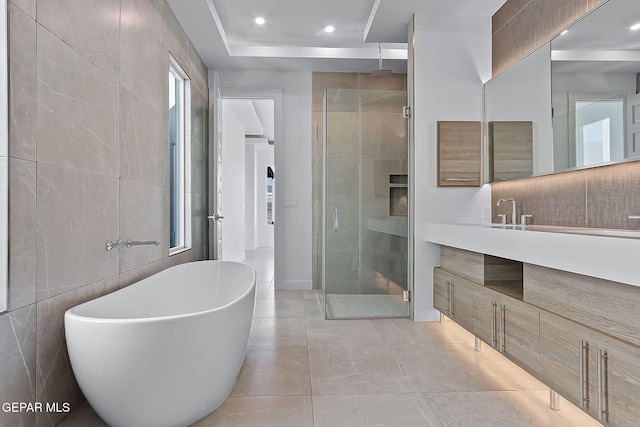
column 610, row 307
column 558, row 199
column 560, row 348
column 521, row 27
column 459, row 153
column 440, row 284
column 483, row 314
column 462, row 297
column 521, row 334
column 506, row 12
column 466, row 264
column 510, row 150
column 612, row 195
column 622, row 383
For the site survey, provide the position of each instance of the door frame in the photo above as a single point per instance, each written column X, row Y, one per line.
column 278, row 154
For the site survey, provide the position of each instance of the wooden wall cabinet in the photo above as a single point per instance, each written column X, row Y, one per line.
column 510, row 150
column 459, row 154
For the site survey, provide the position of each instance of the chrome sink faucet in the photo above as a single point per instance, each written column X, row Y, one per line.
column 513, row 208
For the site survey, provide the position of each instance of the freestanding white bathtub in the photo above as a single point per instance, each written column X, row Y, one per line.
column 167, row 350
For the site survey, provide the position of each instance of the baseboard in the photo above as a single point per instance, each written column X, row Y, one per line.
column 294, row 285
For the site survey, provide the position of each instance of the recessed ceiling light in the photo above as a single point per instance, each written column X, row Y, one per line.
column 564, row 32
column 635, row 27
column 259, row 20
column 329, row 29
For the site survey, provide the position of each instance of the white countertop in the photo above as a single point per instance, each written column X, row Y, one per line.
column 610, row 258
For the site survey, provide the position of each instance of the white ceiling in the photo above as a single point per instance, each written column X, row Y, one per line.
column 256, row 115
column 292, row 38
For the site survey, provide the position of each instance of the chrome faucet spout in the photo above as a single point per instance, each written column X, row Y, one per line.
column 513, row 208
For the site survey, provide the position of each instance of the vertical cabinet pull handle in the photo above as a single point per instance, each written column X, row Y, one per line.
column 335, row 220
column 504, row 328
column 453, row 299
column 447, row 299
column 603, row 404
column 494, row 324
column 584, row 374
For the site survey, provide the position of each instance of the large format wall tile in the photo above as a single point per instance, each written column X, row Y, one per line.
column 28, row 6
column 199, row 117
column 22, row 245
column 141, row 52
column 18, row 363
column 77, row 110
column 55, row 380
column 142, row 147
column 198, row 220
column 342, row 182
column 77, row 214
column 345, row 237
column 141, row 218
column 342, row 136
column 175, row 37
column 151, row 11
column 89, row 26
column 198, row 71
column 22, row 75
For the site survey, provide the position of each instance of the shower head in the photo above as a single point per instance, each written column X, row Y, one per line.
column 380, row 72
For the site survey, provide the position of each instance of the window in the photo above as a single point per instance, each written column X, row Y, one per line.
column 179, row 159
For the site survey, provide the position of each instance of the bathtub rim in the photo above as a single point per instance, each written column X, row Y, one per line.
column 71, row 315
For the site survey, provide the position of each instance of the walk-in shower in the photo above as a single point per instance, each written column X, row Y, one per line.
column 365, row 204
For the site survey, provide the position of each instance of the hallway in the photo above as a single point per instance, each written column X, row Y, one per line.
column 301, row 370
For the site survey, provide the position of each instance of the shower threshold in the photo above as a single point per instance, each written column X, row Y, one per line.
column 357, row 306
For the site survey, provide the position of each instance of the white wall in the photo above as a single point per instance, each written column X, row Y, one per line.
column 452, row 60
column 250, row 198
column 233, row 185
column 264, row 231
column 292, row 166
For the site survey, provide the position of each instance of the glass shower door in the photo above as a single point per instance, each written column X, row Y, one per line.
column 365, row 245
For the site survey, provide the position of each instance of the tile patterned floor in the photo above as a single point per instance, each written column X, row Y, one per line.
column 301, row 370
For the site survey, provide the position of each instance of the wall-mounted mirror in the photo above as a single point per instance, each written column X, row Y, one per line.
column 580, row 93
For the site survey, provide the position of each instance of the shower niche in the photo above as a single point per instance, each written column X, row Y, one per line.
column 398, row 195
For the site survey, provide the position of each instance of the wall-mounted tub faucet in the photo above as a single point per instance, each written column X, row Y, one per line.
column 513, row 208
column 121, row 244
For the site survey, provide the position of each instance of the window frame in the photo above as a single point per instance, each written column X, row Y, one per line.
column 184, row 162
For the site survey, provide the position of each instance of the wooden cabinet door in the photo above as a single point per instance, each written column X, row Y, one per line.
column 441, row 280
column 521, row 334
column 619, row 390
column 564, row 354
column 485, row 316
column 461, row 294
column 459, row 154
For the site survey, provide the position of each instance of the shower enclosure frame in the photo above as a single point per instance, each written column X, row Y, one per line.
column 407, row 191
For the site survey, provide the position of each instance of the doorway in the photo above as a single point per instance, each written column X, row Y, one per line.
column 244, row 180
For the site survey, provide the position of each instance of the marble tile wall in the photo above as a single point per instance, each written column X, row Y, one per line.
column 88, row 85
column 376, row 136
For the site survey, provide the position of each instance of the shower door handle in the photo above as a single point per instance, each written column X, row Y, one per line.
column 335, row 220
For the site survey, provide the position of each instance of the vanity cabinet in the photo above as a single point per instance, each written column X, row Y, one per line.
column 454, row 296
column 597, row 373
column 508, row 325
column 459, row 154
